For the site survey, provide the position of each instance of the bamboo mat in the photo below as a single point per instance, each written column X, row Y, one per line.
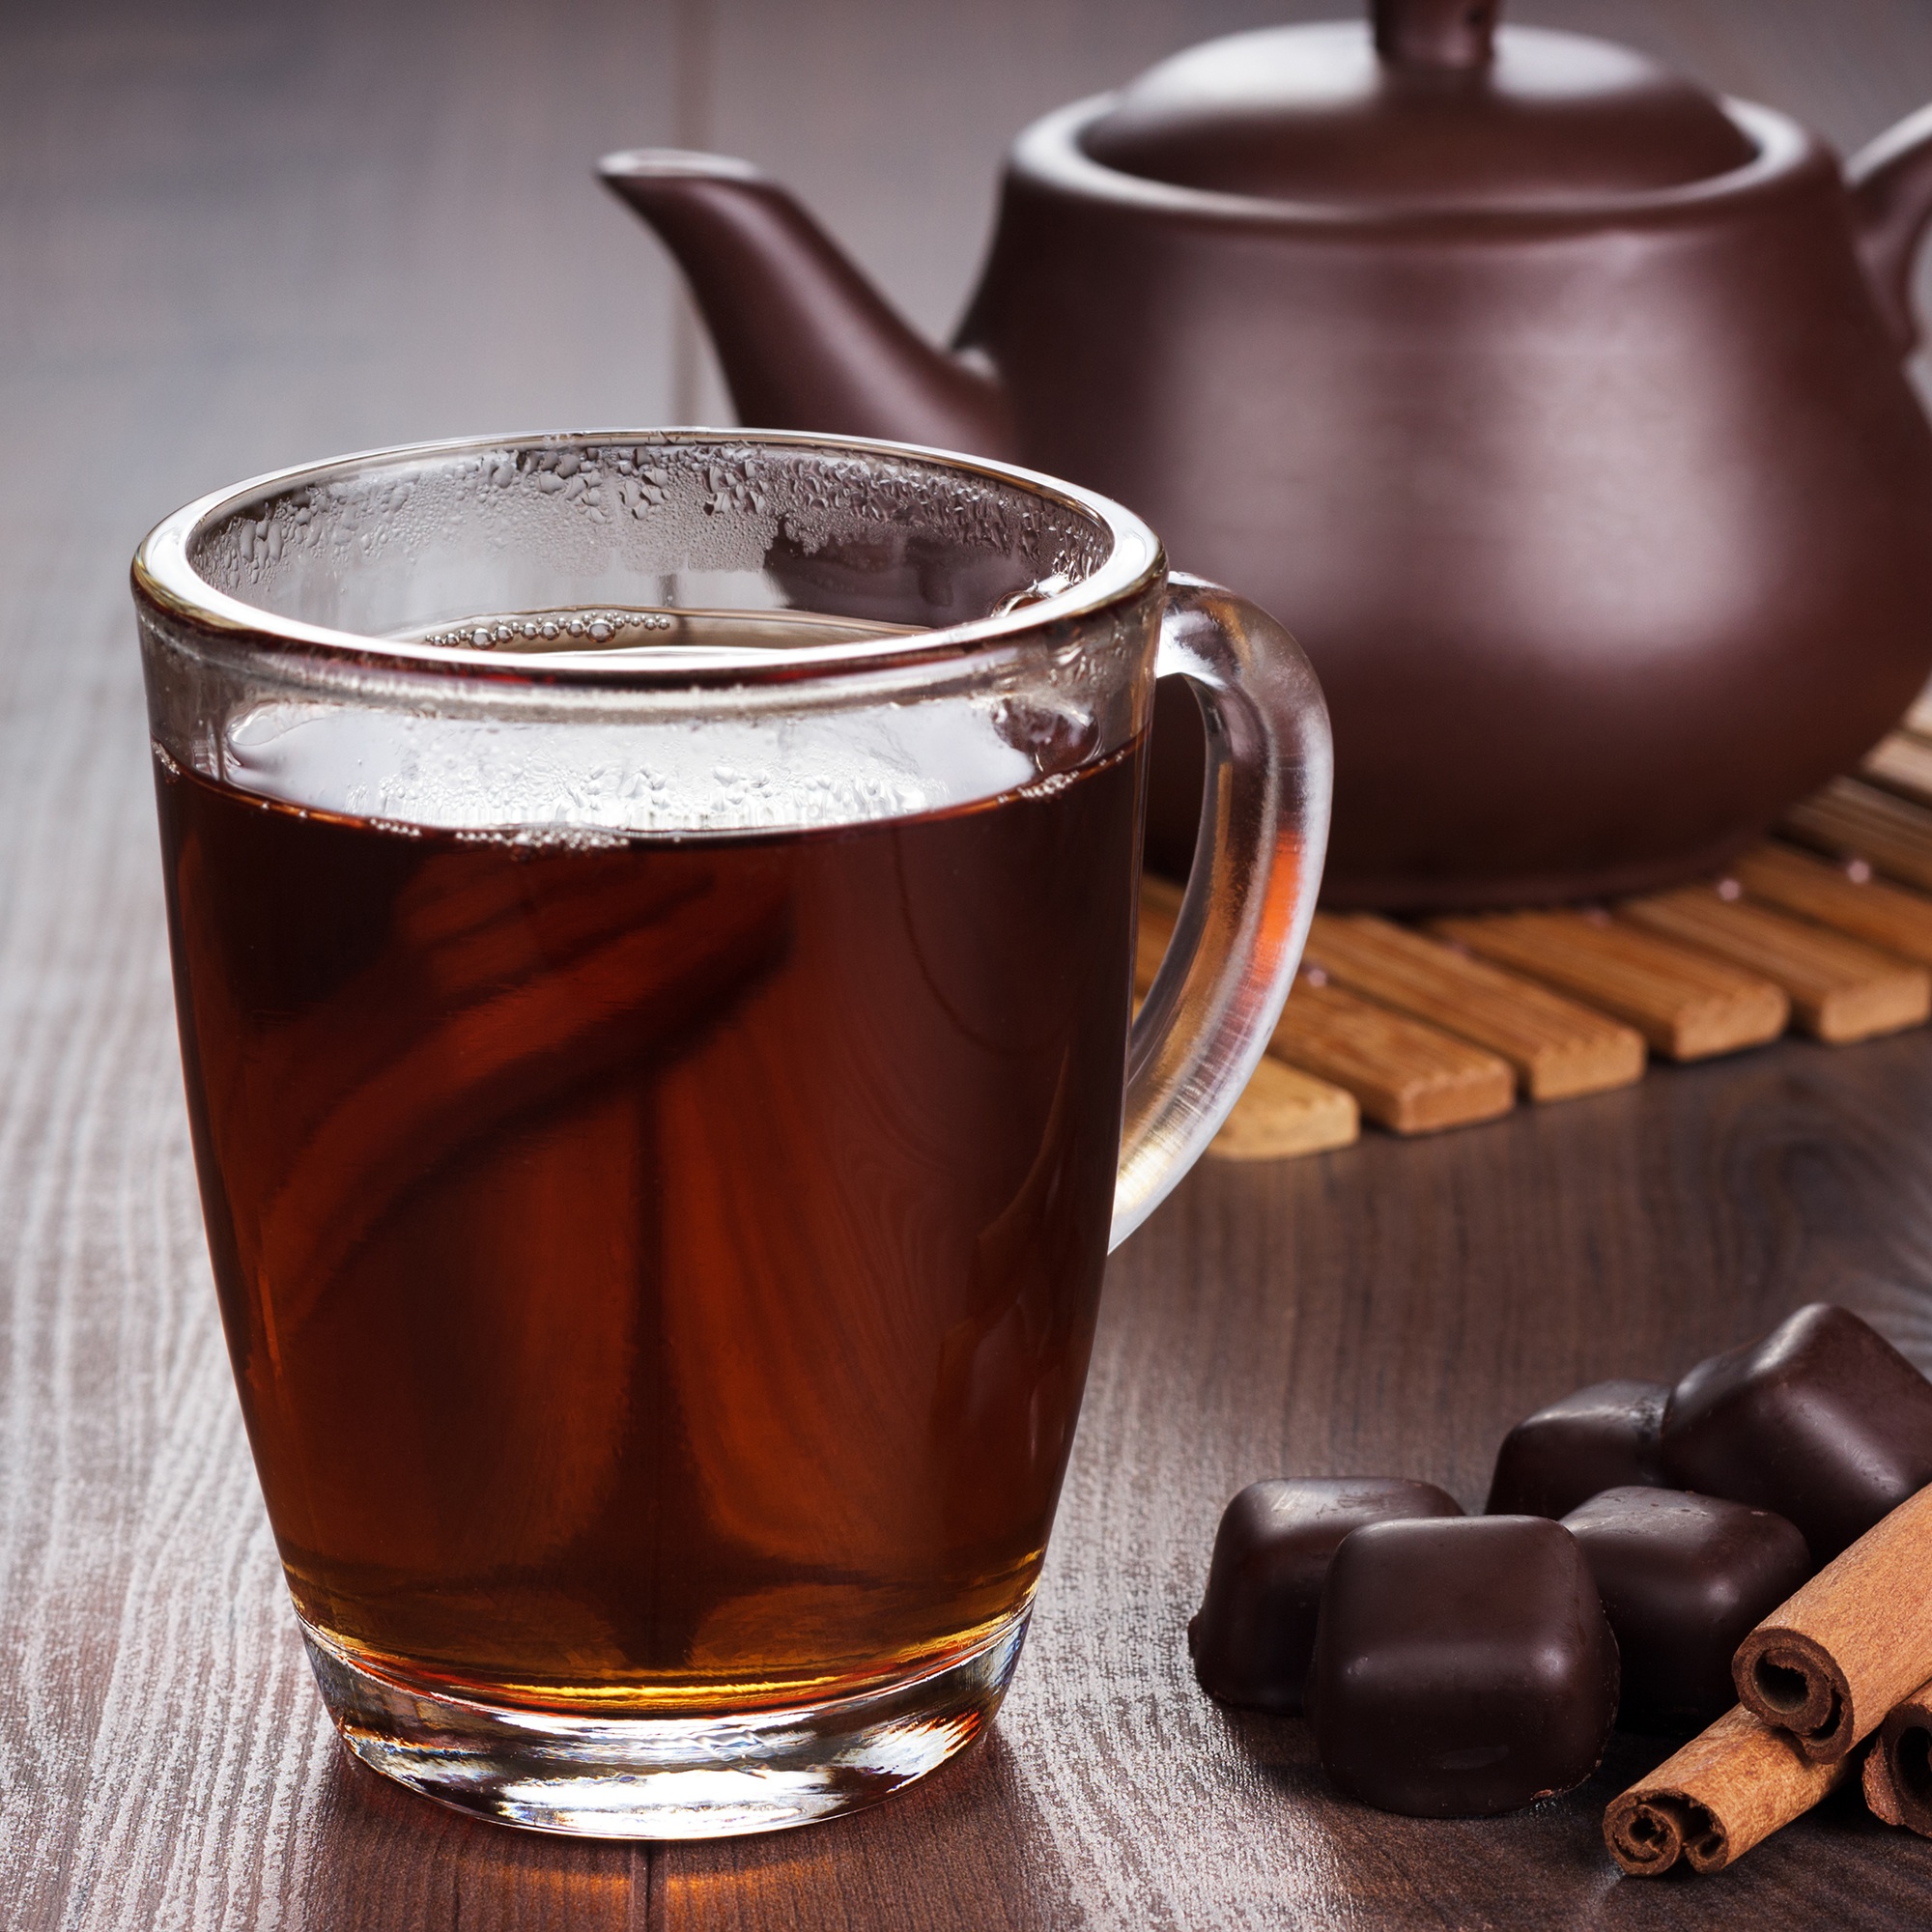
column 1824, row 930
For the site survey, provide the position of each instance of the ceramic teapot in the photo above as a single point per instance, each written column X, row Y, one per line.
column 1556, row 405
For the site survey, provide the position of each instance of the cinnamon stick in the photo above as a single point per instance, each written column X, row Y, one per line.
column 1856, row 1641
column 1881, row 1796
column 1724, row 1792
column 1898, row 1771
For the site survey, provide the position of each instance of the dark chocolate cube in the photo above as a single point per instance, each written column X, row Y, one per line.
column 1256, row 1629
column 1602, row 1438
column 1822, row 1421
column 1462, row 1668
column 1683, row 1579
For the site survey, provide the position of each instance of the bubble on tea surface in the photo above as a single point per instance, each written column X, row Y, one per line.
column 724, row 774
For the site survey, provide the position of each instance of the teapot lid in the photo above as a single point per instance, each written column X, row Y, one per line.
column 1433, row 107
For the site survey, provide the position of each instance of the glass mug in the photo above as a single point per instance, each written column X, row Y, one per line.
column 653, row 927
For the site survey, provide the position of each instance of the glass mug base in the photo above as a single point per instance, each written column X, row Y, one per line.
column 666, row 1778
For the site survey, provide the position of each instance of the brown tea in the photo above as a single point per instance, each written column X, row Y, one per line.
column 658, row 1272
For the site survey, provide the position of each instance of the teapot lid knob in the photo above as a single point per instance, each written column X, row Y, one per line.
column 1436, row 33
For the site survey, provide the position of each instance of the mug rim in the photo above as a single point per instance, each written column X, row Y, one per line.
column 166, row 578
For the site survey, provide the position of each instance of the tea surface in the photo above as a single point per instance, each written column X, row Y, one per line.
column 657, row 1272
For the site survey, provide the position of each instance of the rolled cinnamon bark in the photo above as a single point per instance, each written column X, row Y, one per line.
column 1881, row 1797
column 1856, row 1641
column 1898, row 1772
column 1726, row 1791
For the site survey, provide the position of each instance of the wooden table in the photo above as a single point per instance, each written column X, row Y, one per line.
column 241, row 236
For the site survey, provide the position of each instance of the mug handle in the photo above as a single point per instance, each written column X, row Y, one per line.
column 1213, row 1005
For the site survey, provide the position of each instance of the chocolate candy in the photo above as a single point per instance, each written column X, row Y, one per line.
column 1822, row 1421
column 1462, row 1667
column 1598, row 1438
column 1256, row 1628
column 1683, row 1579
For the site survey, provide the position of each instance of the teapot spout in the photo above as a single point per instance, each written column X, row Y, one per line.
column 805, row 340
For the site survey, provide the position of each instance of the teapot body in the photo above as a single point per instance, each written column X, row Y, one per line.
column 1608, row 529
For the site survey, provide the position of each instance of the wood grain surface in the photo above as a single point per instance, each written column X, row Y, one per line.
column 1901, row 762
column 1686, row 1002
column 1559, row 1049
column 1871, row 909
column 1852, row 820
column 1840, row 990
column 232, row 237
column 1410, row 1078
column 1283, row 1111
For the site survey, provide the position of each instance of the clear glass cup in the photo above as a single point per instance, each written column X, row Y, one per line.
column 653, row 922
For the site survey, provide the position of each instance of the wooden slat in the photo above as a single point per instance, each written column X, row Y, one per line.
column 1851, row 819
column 1855, row 903
column 1840, row 990
column 1408, row 1077
column 1888, row 917
column 1403, row 1075
column 1559, row 1049
column 1688, row 1005
column 1902, row 763
column 1282, row 1112
column 1150, row 937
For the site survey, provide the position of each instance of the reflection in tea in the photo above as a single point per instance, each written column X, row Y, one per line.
column 658, row 1272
